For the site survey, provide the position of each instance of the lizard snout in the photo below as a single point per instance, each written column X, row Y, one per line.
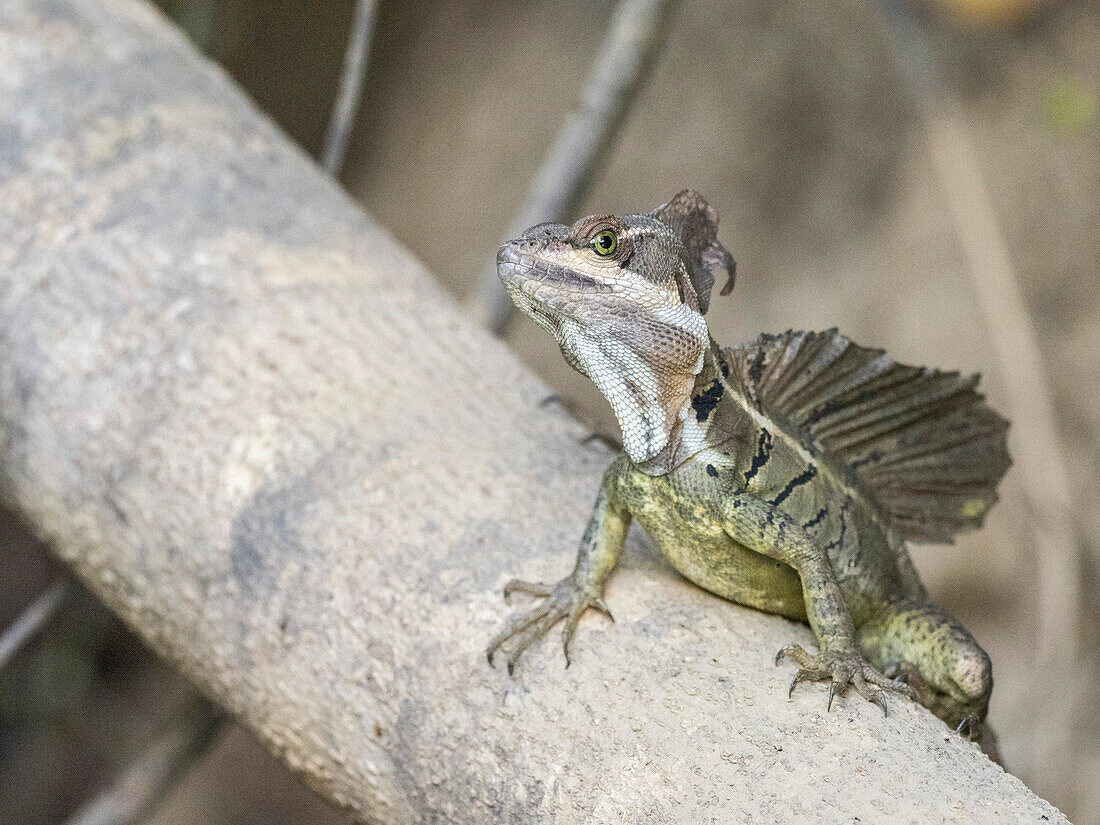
column 517, row 265
column 515, row 260
column 509, row 253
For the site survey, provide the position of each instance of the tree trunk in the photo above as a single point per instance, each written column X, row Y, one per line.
column 256, row 428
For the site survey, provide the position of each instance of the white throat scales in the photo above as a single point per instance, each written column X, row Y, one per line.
column 647, row 382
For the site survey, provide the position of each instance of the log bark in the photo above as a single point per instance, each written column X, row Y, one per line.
column 256, row 428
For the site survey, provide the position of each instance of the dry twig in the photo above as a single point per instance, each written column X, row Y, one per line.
column 351, row 86
column 625, row 61
column 1037, row 450
column 136, row 791
column 33, row 619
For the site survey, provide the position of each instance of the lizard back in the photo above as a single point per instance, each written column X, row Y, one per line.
column 919, row 445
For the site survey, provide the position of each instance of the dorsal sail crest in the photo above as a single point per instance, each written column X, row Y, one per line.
column 921, row 445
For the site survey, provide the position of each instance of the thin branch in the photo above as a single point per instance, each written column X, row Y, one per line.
column 625, row 61
column 1037, row 451
column 33, row 619
column 137, row 790
column 351, row 86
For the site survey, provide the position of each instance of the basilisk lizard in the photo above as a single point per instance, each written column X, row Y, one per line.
column 784, row 474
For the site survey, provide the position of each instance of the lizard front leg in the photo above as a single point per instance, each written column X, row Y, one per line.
column 764, row 528
column 583, row 588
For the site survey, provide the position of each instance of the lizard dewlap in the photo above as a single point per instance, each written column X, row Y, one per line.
column 785, row 474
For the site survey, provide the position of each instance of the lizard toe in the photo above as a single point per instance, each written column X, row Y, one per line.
column 806, row 675
column 514, row 626
column 532, row 588
column 871, row 692
column 842, row 669
column 796, row 654
column 901, row 686
column 531, row 634
column 567, row 600
column 571, row 622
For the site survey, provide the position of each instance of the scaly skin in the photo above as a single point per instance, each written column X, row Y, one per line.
column 742, row 505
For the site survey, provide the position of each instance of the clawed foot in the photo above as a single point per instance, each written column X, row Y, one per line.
column 568, row 599
column 843, row 669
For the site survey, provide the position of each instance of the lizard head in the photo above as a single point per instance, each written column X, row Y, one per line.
column 624, row 297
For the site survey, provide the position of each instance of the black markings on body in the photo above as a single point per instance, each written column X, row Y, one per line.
column 705, row 402
column 763, row 452
column 756, row 368
column 756, row 372
column 824, row 511
column 820, row 412
column 870, row 458
column 795, row 482
column 839, row 541
column 711, row 471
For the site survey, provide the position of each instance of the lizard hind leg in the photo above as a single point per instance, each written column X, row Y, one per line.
column 947, row 669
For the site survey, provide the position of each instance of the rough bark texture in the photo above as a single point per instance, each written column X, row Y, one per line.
column 256, row 428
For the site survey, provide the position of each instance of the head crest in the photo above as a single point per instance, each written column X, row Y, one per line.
column 696, row 224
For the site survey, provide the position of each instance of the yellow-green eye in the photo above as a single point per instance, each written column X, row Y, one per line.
column 604, row 243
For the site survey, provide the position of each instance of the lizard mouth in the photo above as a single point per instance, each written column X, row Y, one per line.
column 516, row 266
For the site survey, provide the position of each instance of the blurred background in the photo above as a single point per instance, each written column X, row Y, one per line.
column 926, row 179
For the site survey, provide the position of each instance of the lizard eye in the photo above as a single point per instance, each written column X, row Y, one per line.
column 604, row 243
